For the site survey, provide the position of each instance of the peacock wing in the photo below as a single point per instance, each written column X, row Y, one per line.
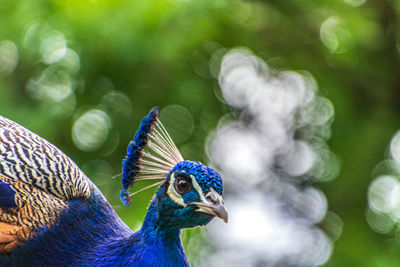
column 36, row 182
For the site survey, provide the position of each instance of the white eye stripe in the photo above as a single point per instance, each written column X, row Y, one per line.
column 197, row 187
column 176, row 197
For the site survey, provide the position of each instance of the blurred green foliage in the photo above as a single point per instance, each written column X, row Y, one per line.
column 126, row 56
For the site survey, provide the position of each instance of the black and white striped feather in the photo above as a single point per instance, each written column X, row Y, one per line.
column 37, row 182
column 28, row 158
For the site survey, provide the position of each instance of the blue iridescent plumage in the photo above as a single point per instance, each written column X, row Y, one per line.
column 53, row 215
column 7, row 196
column 130, row 165
column 206, row 176
column 125, row 198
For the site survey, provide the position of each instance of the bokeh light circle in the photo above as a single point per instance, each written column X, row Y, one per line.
column 179, row 122
column 8, row 57
column 384, row 194
column 395, row 147
column 117, row 103
column 91, row 130
column 53, row 47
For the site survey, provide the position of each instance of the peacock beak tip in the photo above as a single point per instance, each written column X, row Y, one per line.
column 214, row 205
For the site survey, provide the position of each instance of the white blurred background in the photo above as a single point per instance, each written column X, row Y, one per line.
column 271, row 152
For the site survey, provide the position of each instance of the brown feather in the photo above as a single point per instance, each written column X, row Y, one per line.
column 36, row 208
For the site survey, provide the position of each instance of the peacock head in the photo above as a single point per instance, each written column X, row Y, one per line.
column 190, row 193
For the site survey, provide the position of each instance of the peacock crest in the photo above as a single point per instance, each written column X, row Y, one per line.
column 150, row 156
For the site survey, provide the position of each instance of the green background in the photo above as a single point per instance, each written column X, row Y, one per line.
column 167, row 52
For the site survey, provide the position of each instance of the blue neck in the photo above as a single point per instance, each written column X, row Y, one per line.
column 157, row 243
column 157, row 221
column 161, row 239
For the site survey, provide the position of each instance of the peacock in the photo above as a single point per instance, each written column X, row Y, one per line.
column 52, row 214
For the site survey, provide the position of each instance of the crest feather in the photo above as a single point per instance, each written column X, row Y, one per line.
column 150, row 156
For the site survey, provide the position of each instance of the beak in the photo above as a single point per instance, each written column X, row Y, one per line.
column 214, row 205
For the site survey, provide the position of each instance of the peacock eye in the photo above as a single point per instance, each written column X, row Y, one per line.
column 182, row 185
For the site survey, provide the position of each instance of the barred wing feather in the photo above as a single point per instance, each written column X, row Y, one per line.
column 36, row 182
